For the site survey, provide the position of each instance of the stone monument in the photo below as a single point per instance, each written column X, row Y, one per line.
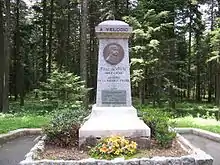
column 113, row 113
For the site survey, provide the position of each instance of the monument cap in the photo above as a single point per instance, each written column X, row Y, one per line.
column 113, row 29
column 113, row 22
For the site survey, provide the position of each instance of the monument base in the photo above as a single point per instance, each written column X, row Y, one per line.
column 107, row 121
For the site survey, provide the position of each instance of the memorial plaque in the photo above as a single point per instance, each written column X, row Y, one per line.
column 111, row 97
column 113, row 53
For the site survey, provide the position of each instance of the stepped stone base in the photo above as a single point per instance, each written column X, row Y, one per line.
column 107, row 121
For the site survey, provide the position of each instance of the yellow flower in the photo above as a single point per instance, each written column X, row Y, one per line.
column 126, row 142
column 115, row 146
column 103, row 149
column 117, row 152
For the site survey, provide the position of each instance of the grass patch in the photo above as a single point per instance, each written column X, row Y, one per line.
column 33, row 107
column 11, row 122
column 183, row 109
column 206, row 124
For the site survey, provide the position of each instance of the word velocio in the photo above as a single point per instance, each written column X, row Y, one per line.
column 119, row 29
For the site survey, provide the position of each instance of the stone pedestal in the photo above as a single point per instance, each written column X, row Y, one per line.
column 113, row 113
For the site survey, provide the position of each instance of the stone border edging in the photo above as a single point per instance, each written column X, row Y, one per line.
column 18, row 133
column 203, row 133
column 196, row 157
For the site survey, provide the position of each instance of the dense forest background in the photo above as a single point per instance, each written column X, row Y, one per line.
column 174, row 49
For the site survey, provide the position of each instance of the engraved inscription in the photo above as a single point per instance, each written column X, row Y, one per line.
column 116, row 29
column 117, row 97
column 113, row 53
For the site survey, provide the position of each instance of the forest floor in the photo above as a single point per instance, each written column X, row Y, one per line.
column 9, row 123
column 36, row 114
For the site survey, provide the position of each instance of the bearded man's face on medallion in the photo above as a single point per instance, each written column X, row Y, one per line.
column 113, row 53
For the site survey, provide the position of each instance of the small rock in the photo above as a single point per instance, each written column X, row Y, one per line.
column 118, row 161
column 104, row 162
column 132, row 162
column 188, row 161
column 174, row 161
column 146, row 161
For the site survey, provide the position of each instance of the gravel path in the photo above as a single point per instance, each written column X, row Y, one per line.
column 210, row 147
column 11, row 153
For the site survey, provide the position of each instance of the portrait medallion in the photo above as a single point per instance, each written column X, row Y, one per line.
column 113, row 53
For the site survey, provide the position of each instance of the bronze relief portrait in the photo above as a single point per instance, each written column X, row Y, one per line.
column 113, row 53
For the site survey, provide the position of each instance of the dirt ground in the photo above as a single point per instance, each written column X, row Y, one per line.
column 56, row 153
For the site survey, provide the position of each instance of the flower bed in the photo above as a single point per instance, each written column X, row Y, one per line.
column 194, row 157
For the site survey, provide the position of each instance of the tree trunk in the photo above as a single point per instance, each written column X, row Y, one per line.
column 217, row 77
column 44, row 55
column 198, row 34
column 142, row 92
column 172, row 52
column 20, row 64
column 1, row 55
column 83, row 43
column 172, row 102
column 68, row 35
column 127, row 7
column 50, row 36
column 7, row 58
column 218, row 82
column 198, row 89
column 116, row 14
column 92, row 65
column 210, row 77
column 218, row 13
column 210, row 64
column 189, row 53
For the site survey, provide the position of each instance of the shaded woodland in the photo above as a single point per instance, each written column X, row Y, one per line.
column 174, row 48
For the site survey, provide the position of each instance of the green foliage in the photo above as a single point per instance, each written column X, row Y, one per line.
column 161, row 34
column 203, row 110
column 9, row 122
column 151, row 63
column 31, row 106
column 195, row 109
column 158, row 122
column 164, row 136
column 61, row 90
column 112, row 147
column 63, row 86
column 63, row 128
column 205, row 124
column 214, row 42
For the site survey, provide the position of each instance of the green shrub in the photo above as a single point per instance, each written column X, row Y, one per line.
column 164, row 136
column 112, row 147
column 62, row 88
column 63, row 128
column 195, row 112
column 188, row 109
column 158, row 122
column 34, row 107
